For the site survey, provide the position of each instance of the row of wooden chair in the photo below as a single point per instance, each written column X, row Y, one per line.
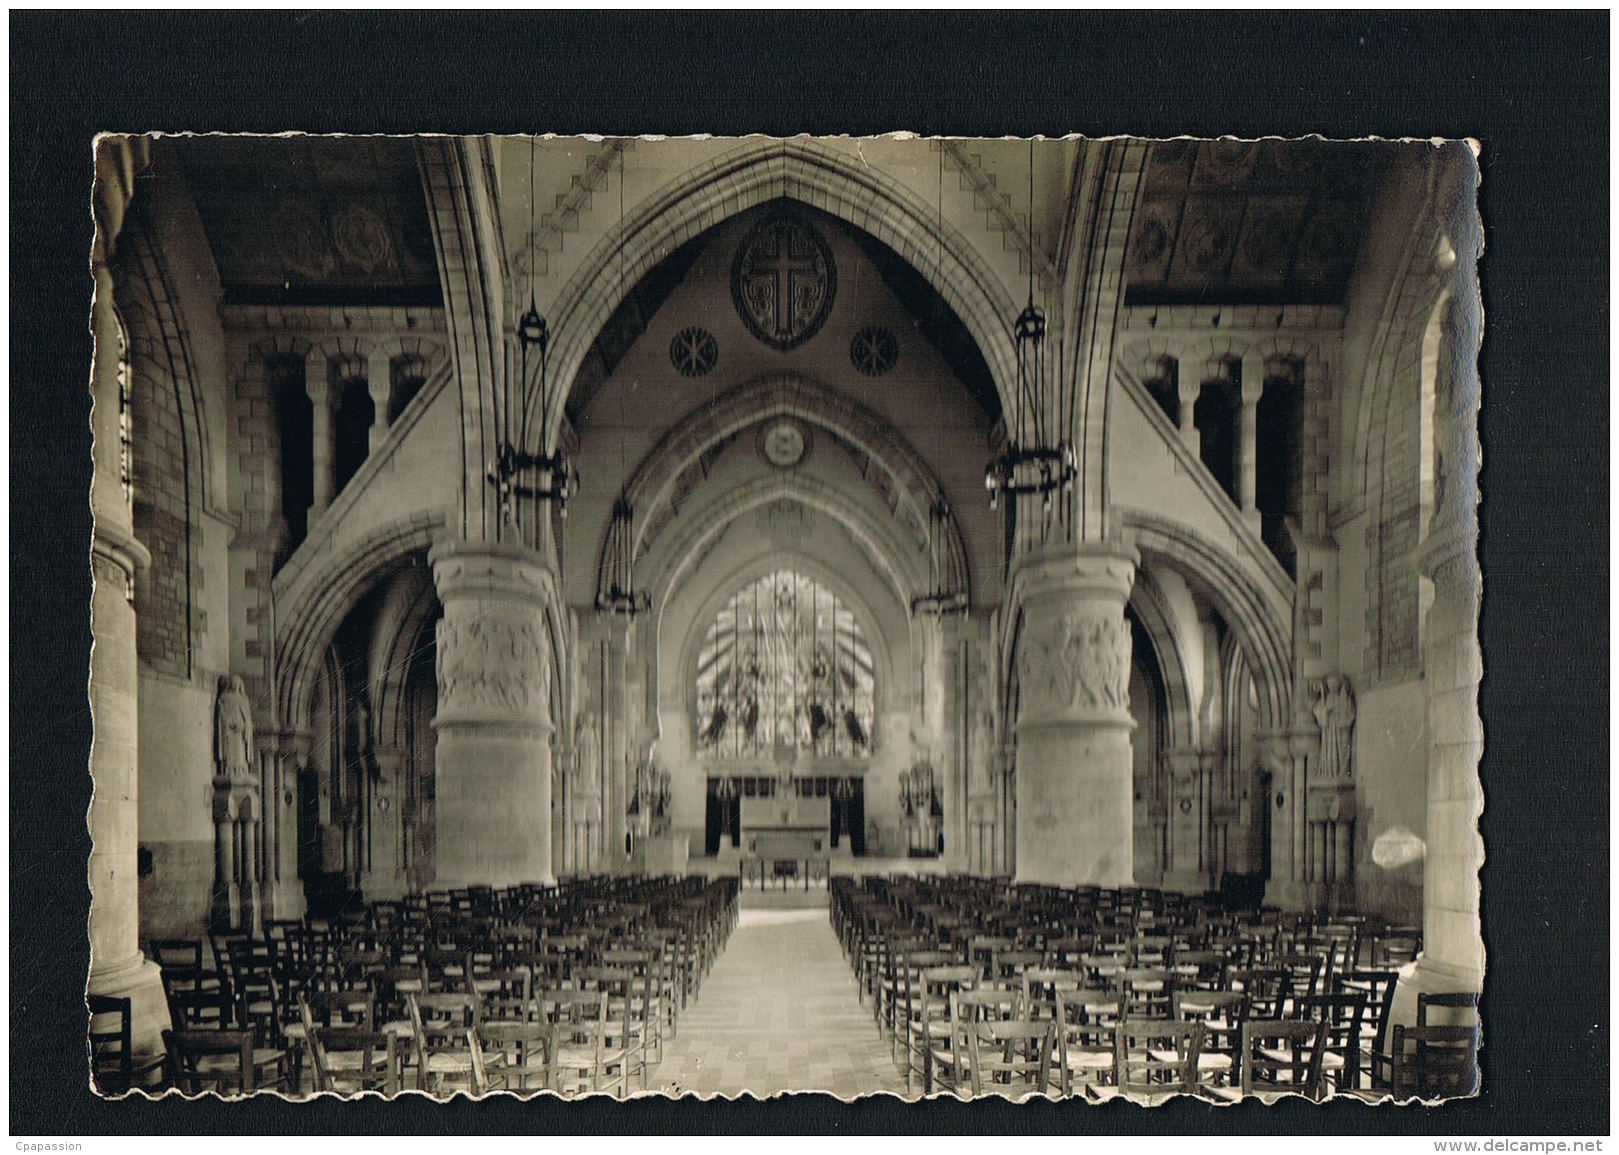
column 919, row 948
column 507, row 988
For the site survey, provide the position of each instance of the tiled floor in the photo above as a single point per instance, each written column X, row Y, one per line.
column 779, row 1012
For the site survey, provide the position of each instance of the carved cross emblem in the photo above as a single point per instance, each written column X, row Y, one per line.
column 783, row 281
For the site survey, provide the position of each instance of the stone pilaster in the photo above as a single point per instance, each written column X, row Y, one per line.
column 615, row 750
column 1189, row 384
column 282, row 752
column 1187, row 868
column 1253, row 387
column 1287, row 754
column 384, row 877
column 323, row 435
column 1075, row 780
column 493, row 725
column 379, row 383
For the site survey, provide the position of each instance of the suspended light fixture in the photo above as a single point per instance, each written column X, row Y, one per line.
column 542, row 474
column 621, row 596
column 942, row 596
column 1036, row 459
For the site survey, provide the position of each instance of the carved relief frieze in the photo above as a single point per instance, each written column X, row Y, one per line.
column 493, row 663
column 1080, row 664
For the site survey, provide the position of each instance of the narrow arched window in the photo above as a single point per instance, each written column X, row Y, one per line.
column 785, row 666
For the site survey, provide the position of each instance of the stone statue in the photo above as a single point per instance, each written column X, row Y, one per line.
column 587, row 755
column 233, row 730
column 1334, row 710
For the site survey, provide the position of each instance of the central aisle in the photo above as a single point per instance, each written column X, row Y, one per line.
column 779, row 1012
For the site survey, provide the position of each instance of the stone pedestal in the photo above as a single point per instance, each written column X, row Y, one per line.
column 493, row 725
column 1075, row 779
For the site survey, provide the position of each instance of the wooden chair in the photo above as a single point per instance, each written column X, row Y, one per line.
column 487, row 1075
column 350, row 1061
column 1148, row 992
column 931, row 1051
column 521, row 1051
column 1456, row 1008
column 1222, row 1014
column 970, row 1007
column 1153, row 1059
column 580, row 1058
column 180, row 960
column 1010, row 1058
column 1267, row 989
column 114, row 1068
column 626, row 1018
column 200, row 1010
column 224, row 1062
column 911, row 997
column 1378, row 987
column 439, row 1025
column 645, row 967
column 1087, row 1021
column 1283, row 1057
column 1342, row 1014
column 1435, row 1062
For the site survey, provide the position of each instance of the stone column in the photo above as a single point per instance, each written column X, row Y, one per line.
column 1453, row 951
column 117, row 966
column 1253, row 386
column 1189, row 383
column 317, row 384
column 379, row 383
column 1075, row 779
column 615, row 750
column 493, row 753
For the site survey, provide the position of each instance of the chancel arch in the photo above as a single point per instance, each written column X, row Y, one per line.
column 757, row 172
column 656, row 491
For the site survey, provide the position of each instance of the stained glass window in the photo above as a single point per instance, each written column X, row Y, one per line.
column 784, row 665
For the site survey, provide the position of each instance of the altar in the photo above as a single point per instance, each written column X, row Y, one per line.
column 787, row 826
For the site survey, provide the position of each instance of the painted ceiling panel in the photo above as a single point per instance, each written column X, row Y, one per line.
column 312, row 220
column 1250, row 221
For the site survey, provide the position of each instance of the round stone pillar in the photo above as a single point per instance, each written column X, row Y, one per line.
column 493, row 753
column 1075, row 778
column 117, row 966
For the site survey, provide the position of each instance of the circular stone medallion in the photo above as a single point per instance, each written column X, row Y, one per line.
column 783, row 281
column 783, row 444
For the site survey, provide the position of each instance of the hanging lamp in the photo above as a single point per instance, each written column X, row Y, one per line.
column 621, row 596
column 543, row 473
column 1036, row 458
